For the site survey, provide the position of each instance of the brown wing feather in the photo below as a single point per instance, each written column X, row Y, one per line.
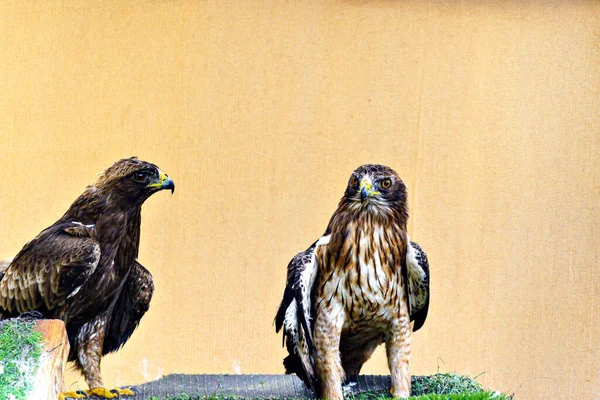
column 49, row 269
column 133, row 302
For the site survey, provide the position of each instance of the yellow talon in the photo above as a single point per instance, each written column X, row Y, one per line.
column 70, row 395
column 126, row 392
column 99, row 392
column 109, row 394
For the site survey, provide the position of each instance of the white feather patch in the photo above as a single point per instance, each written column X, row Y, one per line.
column 323, row 240
column 74, row 292
column 80, row 224
column 307, row 278
column 411, row 261
column 290, row 321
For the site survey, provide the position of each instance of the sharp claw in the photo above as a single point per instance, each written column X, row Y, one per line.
column 77, row 394
column 82, row 393
column 116, row 391
column 127, row 391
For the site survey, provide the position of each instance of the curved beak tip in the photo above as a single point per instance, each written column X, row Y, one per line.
column 169, row 184
column 364, row 193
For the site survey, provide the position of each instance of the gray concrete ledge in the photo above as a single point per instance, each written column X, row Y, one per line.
column 246, row 386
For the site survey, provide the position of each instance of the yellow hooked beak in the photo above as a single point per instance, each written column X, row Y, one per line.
column 164, row 183
column 366, row 190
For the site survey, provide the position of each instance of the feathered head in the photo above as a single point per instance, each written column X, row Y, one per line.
column 376, row 189
column 134, row 180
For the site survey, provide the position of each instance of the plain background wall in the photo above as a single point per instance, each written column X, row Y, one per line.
column 259, row 110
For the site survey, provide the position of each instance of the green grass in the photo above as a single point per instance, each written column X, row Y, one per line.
column 454, row 396
column 448, row 383
column 20, row 350
column 449, row 386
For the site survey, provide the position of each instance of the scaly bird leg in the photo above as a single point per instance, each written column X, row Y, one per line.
column 89, row 352
column 327, row 333
column 398, row 355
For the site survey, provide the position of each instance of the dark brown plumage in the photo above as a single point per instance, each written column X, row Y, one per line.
column 358, row 286
column 83, row 269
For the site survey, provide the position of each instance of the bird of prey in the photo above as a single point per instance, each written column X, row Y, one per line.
column 359, row 285
column 83, row 269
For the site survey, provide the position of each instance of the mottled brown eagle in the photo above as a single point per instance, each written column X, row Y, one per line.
column 83, row 268
column 359, row 285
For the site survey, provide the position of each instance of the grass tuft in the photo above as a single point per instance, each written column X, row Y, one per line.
column 454, row 396
column 20, row 351
column 449, row 383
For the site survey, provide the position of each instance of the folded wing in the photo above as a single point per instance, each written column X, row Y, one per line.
column 417, row 267
column 133, row 302
column 49, row 269
column 295, row 314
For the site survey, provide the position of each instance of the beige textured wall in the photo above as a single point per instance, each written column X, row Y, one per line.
column 259, row 110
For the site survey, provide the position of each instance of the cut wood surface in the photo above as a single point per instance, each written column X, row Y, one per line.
column 49, row 378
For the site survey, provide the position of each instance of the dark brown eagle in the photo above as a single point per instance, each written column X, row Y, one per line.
column 359, row 285
column 83, row 269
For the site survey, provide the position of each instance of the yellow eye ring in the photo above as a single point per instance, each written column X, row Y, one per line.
column 386, row 183
column 354, row 180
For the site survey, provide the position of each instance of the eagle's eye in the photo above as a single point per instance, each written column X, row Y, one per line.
column 386, row 183
column 139, row 177
column 354, row 180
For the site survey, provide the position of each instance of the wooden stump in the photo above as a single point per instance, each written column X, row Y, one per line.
column 49, row 380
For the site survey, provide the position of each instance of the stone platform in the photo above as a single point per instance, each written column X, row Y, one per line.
column 245, row 386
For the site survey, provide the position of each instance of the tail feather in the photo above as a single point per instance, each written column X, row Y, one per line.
column 288, row 297
column 305, row 325
column 300, row 360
